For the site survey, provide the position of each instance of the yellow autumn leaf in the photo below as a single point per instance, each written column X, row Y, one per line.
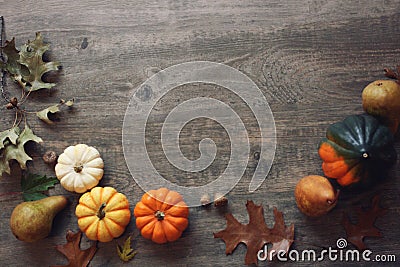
column 126, row 253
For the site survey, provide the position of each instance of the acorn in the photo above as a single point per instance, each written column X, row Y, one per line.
column 220, row 200
column 205, row 200
column 50, row 157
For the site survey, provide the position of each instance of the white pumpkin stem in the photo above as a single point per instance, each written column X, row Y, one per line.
column 78, row 169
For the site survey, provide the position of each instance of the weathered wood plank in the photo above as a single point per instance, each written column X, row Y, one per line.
column 311, row 61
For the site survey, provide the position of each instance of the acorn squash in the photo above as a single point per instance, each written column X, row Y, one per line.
column 357, row 151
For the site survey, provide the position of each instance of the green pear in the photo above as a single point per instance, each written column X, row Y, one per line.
column 31, row 221
column 381, row 98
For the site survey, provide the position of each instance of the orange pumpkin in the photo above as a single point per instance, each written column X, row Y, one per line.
column 103, row 214
column 161, row 215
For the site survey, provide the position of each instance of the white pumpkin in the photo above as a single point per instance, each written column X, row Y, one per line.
column 79, row 168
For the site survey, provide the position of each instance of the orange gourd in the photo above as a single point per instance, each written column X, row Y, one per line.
column 103, row 213
column 161, row 215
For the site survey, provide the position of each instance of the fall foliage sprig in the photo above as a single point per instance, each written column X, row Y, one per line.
column 26, row 68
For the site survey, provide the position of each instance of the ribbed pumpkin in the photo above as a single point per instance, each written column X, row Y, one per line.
column 161, row 215
column 79, row 168
column 103, row 214
column 358, row 150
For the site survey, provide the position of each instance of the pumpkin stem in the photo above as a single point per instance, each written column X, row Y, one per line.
column 159, row 215
column 78, row 169
column 101, row 214
column 365, row 155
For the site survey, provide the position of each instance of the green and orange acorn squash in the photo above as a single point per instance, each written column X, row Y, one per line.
column 357, row 151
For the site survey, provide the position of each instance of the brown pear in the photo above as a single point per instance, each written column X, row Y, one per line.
column 315, row 195
column 32, row 221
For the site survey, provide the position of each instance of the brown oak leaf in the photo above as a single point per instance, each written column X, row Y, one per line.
column 365, row 224
column 256, row 233
column 76, row 256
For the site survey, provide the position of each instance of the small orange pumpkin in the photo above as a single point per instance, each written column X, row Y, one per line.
column 161, row 215
column 103, row 214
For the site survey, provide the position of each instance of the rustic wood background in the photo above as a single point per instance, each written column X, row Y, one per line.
column 311, row 59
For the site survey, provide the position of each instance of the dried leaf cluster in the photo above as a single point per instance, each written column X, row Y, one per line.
column 26, row 67
column 256, row 233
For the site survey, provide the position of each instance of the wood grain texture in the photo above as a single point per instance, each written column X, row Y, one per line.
column 311, row 59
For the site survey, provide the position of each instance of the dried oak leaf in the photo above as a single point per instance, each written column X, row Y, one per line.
column 365, row 224
column 68, row 103
column 43, row 114
column 10, row 135
column 256, row 233
column 76, row 256
column 12, row 56
column 31, row 56
column 126, row 252
column 16, row 150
